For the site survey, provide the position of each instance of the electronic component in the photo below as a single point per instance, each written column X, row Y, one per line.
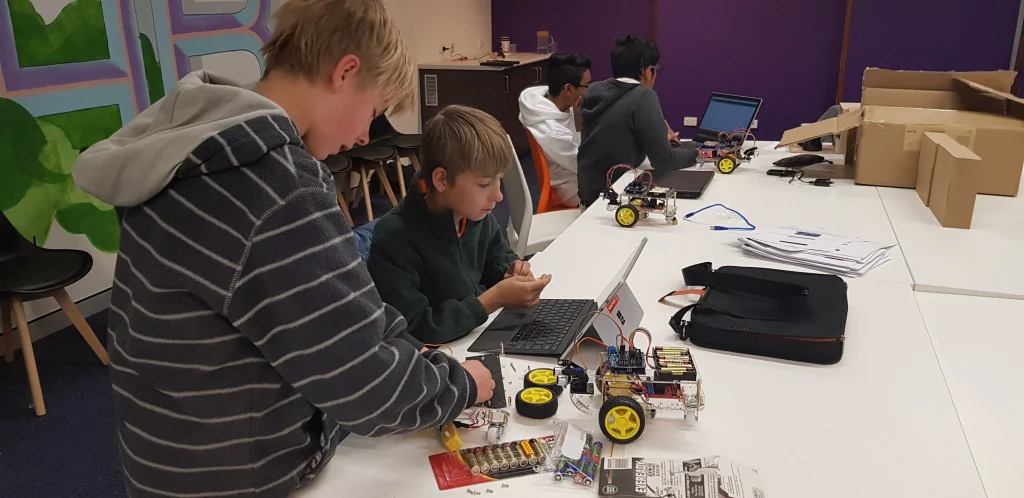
column 493, row 364
column 627, row 360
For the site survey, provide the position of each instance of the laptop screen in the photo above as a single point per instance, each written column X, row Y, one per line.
column 726, row 113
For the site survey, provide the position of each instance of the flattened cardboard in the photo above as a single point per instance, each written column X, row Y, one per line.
column 934, row 80
column 954, row 184
column 831, row 126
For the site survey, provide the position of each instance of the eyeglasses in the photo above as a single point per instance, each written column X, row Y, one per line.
column 655, row 69
column 582, row 86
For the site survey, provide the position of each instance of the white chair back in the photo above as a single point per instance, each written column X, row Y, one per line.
column 520, row 205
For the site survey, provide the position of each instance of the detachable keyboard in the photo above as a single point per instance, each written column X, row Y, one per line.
column 553, row 321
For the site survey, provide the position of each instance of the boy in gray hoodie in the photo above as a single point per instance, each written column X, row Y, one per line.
column 246, row 336
column 623, row 122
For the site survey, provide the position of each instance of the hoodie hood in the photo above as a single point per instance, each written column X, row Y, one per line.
column 534, row 107
column 603, row 95
column 142, row 158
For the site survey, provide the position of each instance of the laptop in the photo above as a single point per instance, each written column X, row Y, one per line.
column 726, row 113
column 554, row 325
column 688, row 184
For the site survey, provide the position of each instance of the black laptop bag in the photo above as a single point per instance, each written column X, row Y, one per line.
column 766, row 312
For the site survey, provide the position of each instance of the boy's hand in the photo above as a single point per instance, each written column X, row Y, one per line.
column 519, row 268
column 482, row 376
column 514, row 292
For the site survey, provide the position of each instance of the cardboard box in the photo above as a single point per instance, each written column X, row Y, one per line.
column 948, row 175
column 886, row 148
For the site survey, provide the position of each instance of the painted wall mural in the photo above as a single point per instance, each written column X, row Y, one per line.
column 73, row 72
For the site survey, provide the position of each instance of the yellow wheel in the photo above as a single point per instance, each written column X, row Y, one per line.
column 542, row 377
column 536, row 402
column 627, row 215
column 622, row 419
column 726, row 164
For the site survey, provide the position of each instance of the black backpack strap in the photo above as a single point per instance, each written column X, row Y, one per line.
column 703, row 275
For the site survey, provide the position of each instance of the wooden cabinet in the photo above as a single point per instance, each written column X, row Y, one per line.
column 493, row 90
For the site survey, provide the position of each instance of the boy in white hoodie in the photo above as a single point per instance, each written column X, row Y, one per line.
column 551, row 114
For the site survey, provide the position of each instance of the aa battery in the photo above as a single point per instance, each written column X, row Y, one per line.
column 531, row 456
column 517, row 451
column 670, row 350
column 506, row 451
column 478, row 454
column 471, row 461
column 492, row 459
column 499, row 455
column 591, row 466
column 540, row 448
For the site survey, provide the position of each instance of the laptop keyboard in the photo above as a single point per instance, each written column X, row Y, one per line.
column 553, row 319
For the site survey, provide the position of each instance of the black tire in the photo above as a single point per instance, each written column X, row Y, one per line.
column 627, row 215
column 542, row 377
column 727, row 164
column 622, row 407
column 532, row 402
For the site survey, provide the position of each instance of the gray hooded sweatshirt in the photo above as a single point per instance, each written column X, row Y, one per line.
column 246, row 336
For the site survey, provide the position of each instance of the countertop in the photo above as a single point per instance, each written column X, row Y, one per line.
column 474, row 64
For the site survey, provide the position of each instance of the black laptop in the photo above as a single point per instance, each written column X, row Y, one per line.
column 688, row 183
column 551, row 327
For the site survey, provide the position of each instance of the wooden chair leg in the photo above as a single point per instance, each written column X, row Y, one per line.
column 364, row 178
column 341, row 182
column 415, row 160
column 386, row 184
column 30, row 356
column 68, row 305
column 401, row 176
column 8, row 332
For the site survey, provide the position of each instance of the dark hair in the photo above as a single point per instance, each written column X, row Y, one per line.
column 633, row 54
column 566, row 69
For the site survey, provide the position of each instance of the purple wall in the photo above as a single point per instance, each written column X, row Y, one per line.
column 785, row 52
column 956, row 35
column 522, row 19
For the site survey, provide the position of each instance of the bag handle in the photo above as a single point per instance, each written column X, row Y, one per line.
column 704, row 275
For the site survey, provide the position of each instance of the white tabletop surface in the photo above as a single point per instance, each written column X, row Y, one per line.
column 978, row 342
column 881, row 419
column 843, row 208
column 985, row 260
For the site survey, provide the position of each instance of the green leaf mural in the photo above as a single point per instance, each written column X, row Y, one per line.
column 85, row 127
column 154, row 78
column 40, row 188
column 99, row 226
column 76, row 35
column 21, row 141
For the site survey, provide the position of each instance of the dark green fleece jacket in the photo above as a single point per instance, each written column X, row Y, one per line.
column 424, row 268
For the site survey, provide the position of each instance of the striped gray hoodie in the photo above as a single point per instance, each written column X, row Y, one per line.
column 245, row 333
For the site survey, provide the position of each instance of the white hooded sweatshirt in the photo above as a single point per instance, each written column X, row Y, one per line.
column 555, row 131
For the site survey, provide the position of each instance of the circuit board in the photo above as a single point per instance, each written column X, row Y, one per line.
column 627, row 360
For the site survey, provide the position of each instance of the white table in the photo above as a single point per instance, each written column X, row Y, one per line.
column 843, row 208
column 978, row 342
column 982, row 261
column 881, row 419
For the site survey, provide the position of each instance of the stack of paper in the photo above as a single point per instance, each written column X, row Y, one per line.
column 840, row 254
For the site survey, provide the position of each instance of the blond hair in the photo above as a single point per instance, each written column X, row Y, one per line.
column 460, row 139
column 311, row 36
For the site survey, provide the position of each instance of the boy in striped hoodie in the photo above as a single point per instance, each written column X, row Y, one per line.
column 246, row 335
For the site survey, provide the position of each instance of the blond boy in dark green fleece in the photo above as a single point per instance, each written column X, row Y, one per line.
column 440, row 257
